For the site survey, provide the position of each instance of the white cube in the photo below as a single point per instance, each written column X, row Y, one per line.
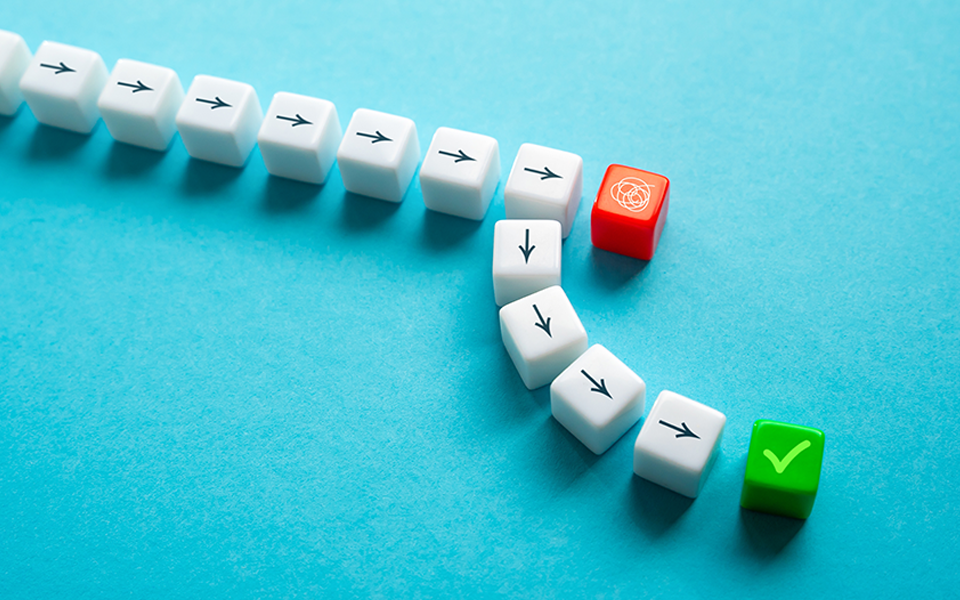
column 219, row 120
column 544, row 184
column 460, row 173
column 62, row 84
column 299, row 137
column 526, row 258
column 139, row 104
column 597, row 398
column 678, row 443
column 14, row 59
column 378, row 155
column 542, row 334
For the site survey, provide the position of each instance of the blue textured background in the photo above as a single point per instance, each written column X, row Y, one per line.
column 215, row 383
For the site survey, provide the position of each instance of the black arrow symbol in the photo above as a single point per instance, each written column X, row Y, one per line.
column 137, row 87
column 527, row 250
column 547, row 173
column 376, row 138
column 218, row 103
column 544, row 325
column 298, row 121
column 685, row 432
column 600, row 388
column 460, row 156
column 61, row 68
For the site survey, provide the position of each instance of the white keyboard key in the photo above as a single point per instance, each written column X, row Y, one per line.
column 526, row 258
column 597, row 398
column 219, row 120
column 14, row 59
column 542, row 334
column 62, row 84
column 460, row 173
column 378, row 155
column 299, row 137
column 544, row 184
column 678, row 443
column 139, row 104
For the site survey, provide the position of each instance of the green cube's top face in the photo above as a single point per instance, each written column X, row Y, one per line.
column 785, row 457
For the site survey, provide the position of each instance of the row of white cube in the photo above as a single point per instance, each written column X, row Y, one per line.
column 300, row 138
column 593, row 394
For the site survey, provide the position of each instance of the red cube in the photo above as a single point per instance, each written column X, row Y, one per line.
column 630, row 211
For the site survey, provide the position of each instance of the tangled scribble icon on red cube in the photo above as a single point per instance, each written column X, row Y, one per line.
column 631, row 193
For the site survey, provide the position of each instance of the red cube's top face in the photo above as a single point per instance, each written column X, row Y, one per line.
column 633, row 194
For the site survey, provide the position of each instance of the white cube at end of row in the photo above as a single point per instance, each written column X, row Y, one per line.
column 299, row 137
column 460, row 173
column 542, row 334
column 62, row 84
column 526, row 258
column 597, row 398
column 544, row 184
column 14, row 60
column 139, row 104
column 219, row 119
column 378, row 155
column 678, row 443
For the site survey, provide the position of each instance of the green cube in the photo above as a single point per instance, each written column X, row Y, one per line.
column 783, row 469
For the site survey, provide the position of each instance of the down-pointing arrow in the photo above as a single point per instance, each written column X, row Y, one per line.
column 527, row 250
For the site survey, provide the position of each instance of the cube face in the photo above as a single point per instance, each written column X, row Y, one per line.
column 630, row 212
column 61, row 86
column 299, row 137
column 526, row 258
column 678, row 443
column 14, row 60
column 139, row 104
column 783, row 469
column 597, row 398
column 544, row 184
column 460, row 173
column 378, row 155
column 542, row 334
column 219, row 119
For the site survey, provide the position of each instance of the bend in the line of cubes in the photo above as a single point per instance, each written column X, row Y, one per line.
column 593, row 394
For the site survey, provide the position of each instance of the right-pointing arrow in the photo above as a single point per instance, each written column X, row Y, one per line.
column 295, row 121
column 546, row 172
column 214, row 104
column 61, row 68
column 460, row 155
column 137, row 87
column 685, row 432
column 379, row 137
